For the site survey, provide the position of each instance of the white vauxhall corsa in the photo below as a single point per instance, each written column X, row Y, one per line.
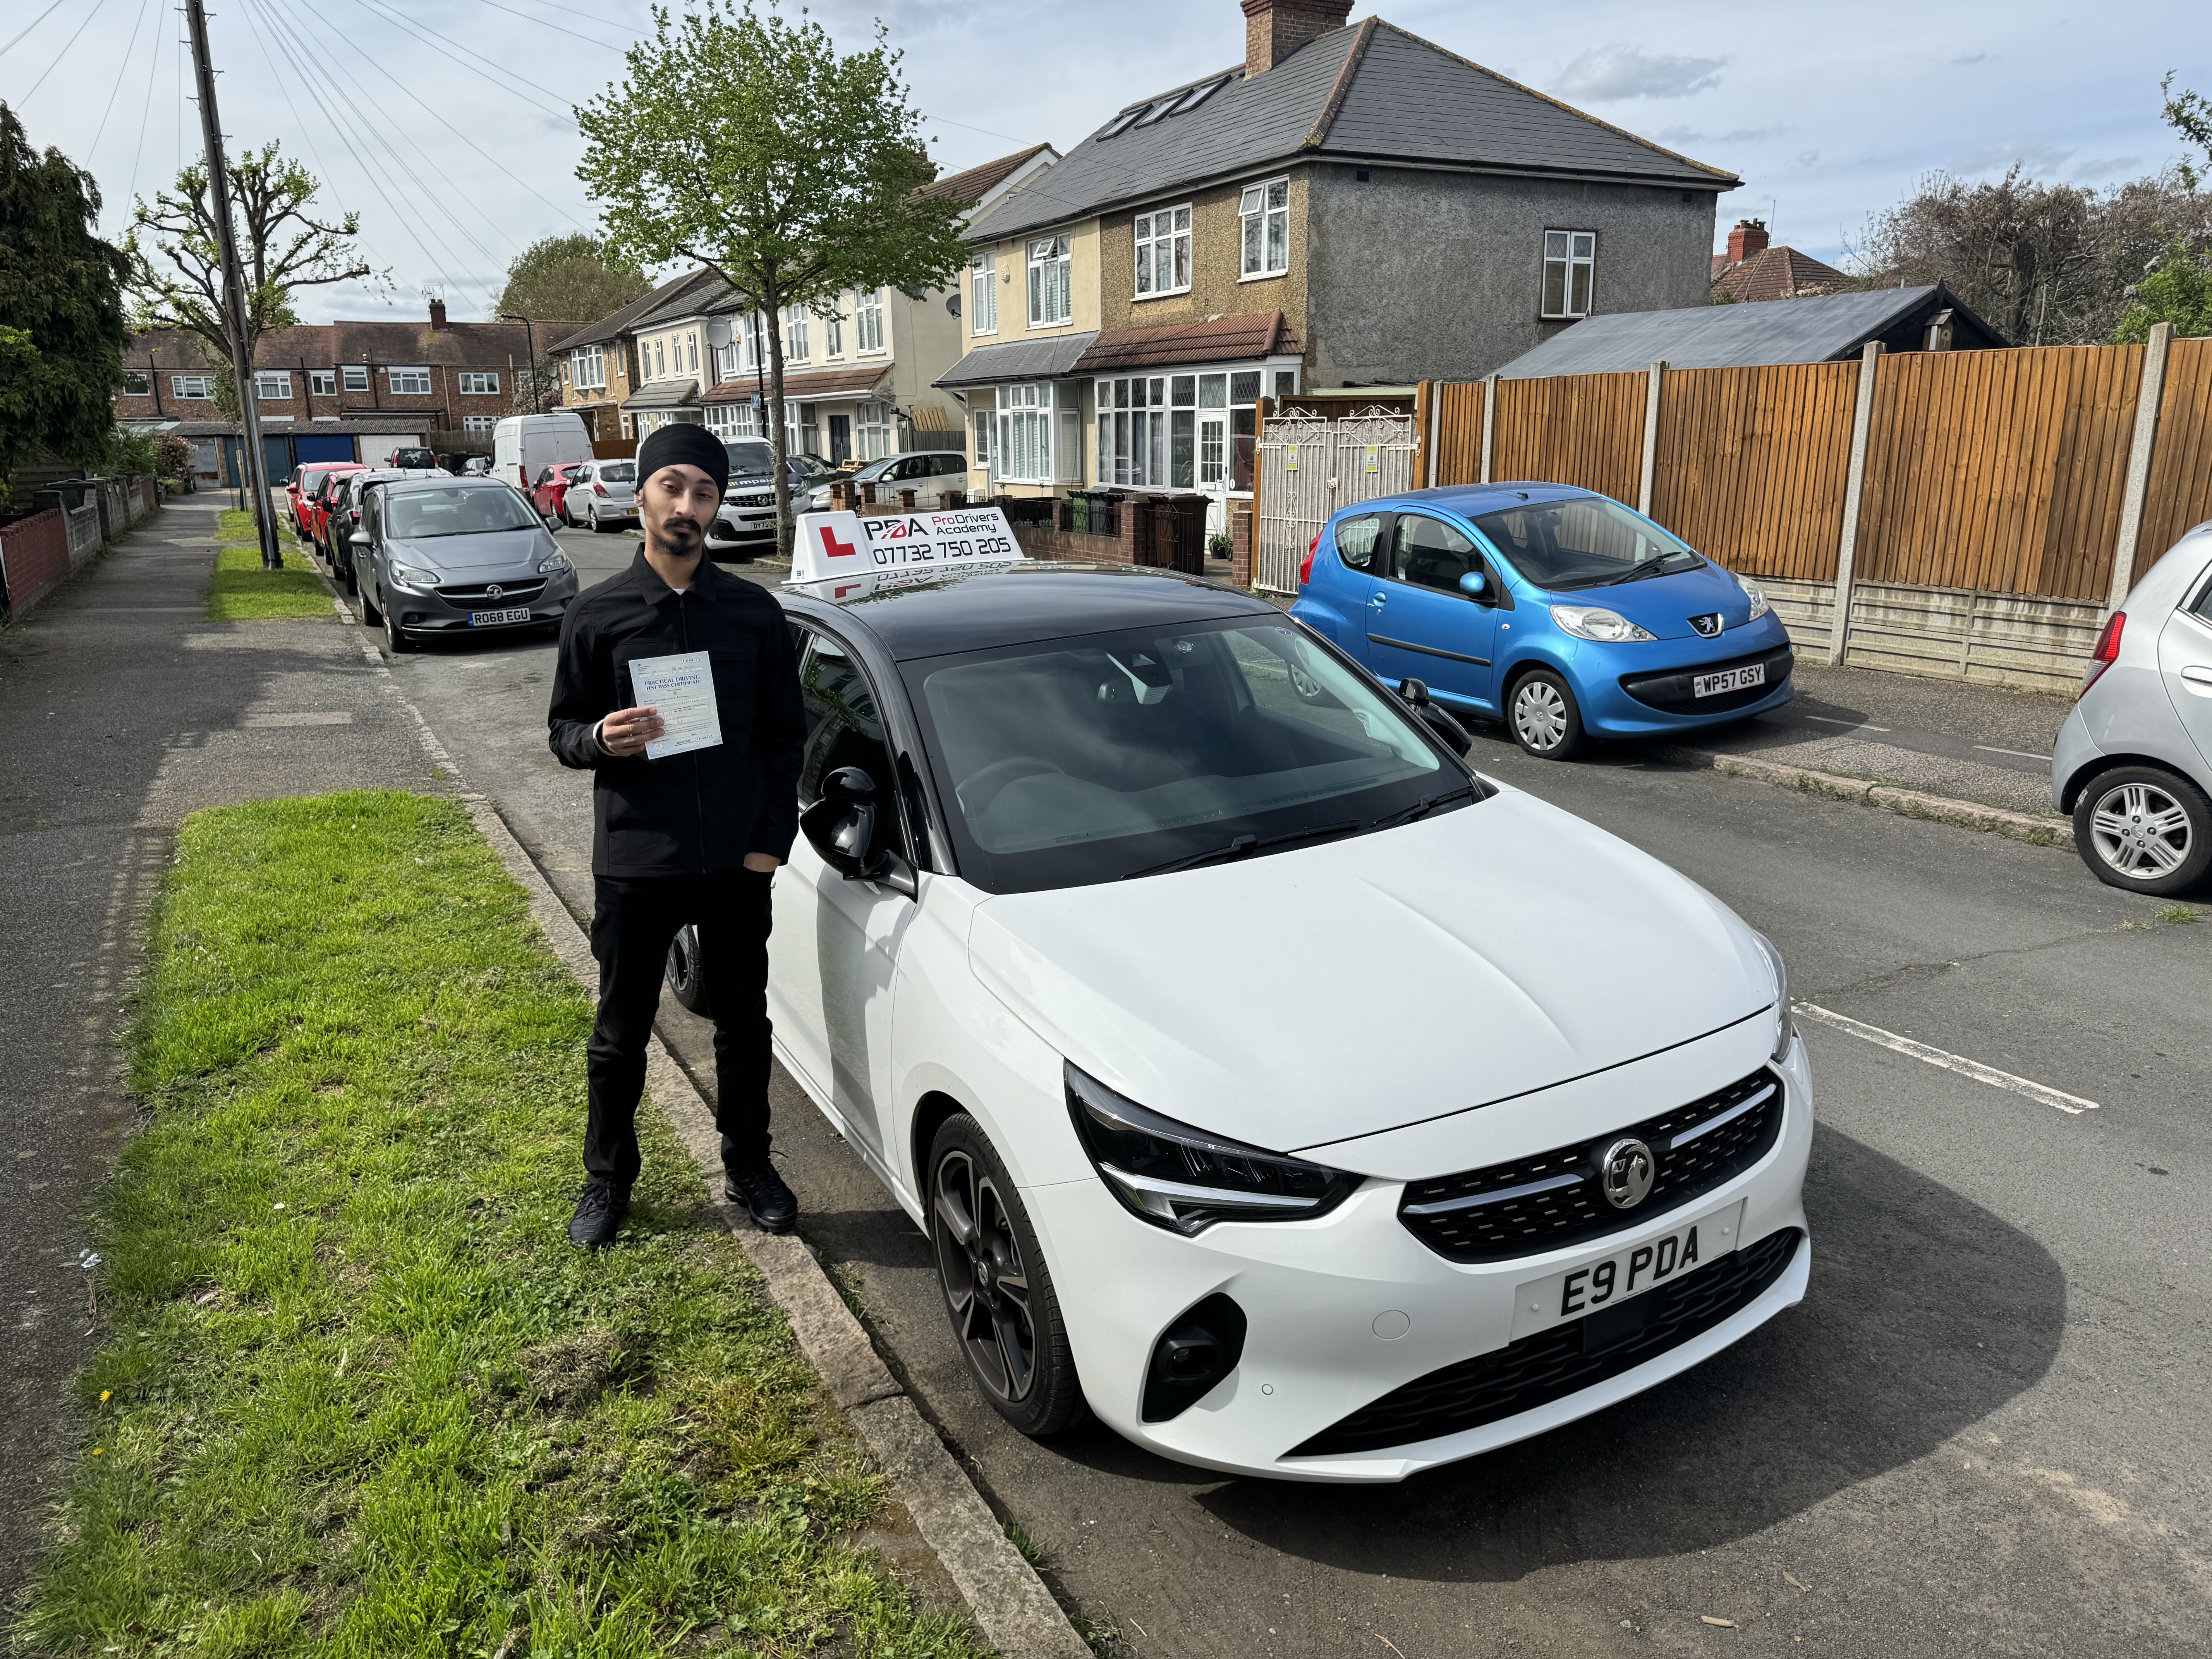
column 1299, row 1102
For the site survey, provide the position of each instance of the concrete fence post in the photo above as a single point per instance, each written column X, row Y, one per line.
column 1839, row 624
column 1425, row 434
column 2139, row 457
column 1489, row 422
column 1654, row 375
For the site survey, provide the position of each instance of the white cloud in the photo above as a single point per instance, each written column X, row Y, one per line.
column 1740, row 136
column 2034, row 158
column 1608, row 74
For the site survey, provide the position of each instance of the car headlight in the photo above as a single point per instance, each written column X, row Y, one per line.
column 1785, row 1021
column 1759, row 603
column 1184, row 1179
column 1595, row 621
column 408, row 576
column 553, row 564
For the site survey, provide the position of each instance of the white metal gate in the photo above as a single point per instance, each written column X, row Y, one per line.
column 1309, row 467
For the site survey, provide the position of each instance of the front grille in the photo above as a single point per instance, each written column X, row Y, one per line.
column 1552, row 1200
column 1675, row 693
column 1554, row 1364
column 510, row 593
column 766, row 498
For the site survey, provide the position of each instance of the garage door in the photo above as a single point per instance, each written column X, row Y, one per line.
column 321, row 447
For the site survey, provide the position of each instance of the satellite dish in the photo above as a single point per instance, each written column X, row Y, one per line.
column 720, row 331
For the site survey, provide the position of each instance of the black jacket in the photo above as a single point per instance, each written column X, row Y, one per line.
column 704, row 809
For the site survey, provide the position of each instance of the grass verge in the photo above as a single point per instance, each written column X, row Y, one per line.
column 243, row 592
column 358, row 1397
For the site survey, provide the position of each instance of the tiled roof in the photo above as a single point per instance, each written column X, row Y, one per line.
column 645, row 305
column 1369, row 92
column 321, row 345
column 1224, row 339
column 977, row 183
column 820, row 383
column 1774, row 273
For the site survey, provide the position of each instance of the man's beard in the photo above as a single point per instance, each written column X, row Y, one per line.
column 678, row 531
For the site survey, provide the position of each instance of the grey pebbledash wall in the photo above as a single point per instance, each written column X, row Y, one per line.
column 1417, row 274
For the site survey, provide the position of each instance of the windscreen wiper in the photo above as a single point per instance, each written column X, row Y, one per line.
column 1643, row 568
column 1244, row 847
column 1421, row 809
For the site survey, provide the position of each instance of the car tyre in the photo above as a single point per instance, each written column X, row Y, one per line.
column 2144, row 830
column 592, row 520
column 370, row 616
column 998, row 1291
column 684, row 978
column 1544, row 718
column 396, row 639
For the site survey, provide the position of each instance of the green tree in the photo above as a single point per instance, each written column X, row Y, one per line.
column 175, row 273
column 2177, row 289
column 2189, row 114
column 61, row 308
column 568, row 279
column 746, row 143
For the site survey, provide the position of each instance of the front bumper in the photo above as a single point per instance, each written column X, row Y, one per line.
column 1626, row 690
column 447, row 610
column 1352, row 1308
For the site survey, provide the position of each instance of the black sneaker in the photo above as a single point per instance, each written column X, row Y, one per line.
column 774, row 1207
column 600, row 1211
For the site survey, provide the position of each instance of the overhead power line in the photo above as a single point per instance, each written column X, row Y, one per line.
column 122, row 69
column 24, row 34
column 98, row 7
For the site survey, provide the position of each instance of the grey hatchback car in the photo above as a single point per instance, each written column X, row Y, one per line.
column 2133, row 763
column 458, row 556
column 602, row 493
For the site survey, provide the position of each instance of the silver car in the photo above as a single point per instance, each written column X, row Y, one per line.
column 2133, row 763
column 927, row 470
column 458, row 556
column 602, row 493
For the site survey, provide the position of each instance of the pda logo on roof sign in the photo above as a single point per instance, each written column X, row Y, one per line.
column 837, row 546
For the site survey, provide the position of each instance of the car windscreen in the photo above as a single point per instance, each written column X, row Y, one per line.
column 1585, row 541
column 617, row 472
column 413, row 458
column 1064, row 762
column 467, row 510
column 748, row 457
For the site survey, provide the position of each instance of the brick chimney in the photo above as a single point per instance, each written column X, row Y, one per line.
column 1749, row 237
column 1273, row 29
column 438, row 314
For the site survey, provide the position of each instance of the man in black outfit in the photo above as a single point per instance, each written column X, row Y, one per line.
column 693, row 836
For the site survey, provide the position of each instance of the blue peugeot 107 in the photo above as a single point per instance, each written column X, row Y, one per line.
column 1556, row 610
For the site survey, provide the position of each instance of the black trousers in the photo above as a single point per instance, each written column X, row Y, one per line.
column 633, row 920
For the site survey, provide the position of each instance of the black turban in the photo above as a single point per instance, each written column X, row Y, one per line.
column 683, row 444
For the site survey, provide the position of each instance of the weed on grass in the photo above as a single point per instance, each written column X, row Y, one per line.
column 243, row 592
column 358, row 1395
column 2177, row 915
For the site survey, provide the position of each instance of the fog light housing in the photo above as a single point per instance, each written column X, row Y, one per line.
column 1195, row 1354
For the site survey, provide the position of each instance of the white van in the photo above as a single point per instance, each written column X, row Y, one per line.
column 523, row 446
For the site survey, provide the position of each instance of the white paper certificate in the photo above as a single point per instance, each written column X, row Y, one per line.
column 682, row 689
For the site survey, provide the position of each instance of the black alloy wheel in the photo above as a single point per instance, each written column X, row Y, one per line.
column 683, row 976
column 998, row 1292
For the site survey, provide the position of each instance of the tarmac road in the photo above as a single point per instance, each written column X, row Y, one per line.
column 1982, row 1432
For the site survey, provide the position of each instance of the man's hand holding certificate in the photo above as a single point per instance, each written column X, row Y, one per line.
column 677, row 694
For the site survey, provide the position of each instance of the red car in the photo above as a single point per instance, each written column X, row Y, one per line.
column 303, row 481
column 550, row 494
column 315, row 502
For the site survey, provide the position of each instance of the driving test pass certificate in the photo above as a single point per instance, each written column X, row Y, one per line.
column 682, row 689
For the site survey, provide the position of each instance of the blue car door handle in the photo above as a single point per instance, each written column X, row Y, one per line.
column 1377, row 600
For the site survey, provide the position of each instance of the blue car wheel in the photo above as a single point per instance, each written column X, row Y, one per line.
column 1544, row 718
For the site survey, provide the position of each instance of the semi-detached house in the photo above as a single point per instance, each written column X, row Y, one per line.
column 1350, row 206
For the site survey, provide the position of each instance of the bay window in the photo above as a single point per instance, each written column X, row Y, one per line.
column 1038, row 436
column 1050, row 266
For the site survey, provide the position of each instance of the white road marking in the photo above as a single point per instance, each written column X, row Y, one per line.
column 2020, row 754
column 2072, row 1104
column 1849, row 726
column 336, row 717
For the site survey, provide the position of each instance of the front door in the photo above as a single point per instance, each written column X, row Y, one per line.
column 841, row 440
column 2185, row 659
column 1419, row 624
column 835, row 942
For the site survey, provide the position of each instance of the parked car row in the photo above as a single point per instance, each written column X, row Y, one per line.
column 929, row 470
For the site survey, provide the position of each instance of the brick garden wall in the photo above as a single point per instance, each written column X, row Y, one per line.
column 34, row 554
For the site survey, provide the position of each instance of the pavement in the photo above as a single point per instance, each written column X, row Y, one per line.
column 121, row 710
column 1981, row 1434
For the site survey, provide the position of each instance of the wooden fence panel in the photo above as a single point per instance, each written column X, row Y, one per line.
column 1999, row 472
column 2180, row 494
column 1752, row 464
column 1581, row 429
column 1458, row 421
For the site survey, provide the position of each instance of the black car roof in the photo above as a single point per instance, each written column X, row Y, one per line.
column 1010, row 603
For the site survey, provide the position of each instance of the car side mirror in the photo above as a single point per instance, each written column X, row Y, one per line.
column 359, row 538
column 841, row 826
column 1475, row 585
column 552, row 524
column 1434, row 715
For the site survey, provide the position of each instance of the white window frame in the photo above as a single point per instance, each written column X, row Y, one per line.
column 794, row 334
column 984, row 293
column 833, row 336
column 872, row 433
column 691, row 344
column 272, row 385
column 356, row 376
column 1571, row 254
column 1051, row 263
column 322, row 383
column 868, row 322
column 1038, row 436
column 201, row 387
column 1263, row 230
column 409, row 389
column 1162, row 242
column 588, row 367
column 478, row 422
column 479, row 383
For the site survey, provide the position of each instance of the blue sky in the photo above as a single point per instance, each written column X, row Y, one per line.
column 1828, row 113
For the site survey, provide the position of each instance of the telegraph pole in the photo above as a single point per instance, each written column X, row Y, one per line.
column 234, row 286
